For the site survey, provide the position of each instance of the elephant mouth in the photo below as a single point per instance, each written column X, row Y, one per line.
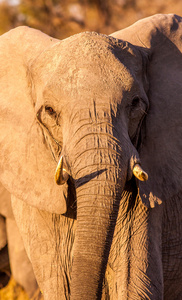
column 71, row 200
column 62, row 175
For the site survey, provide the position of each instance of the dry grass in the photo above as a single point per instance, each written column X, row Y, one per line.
column 13, row 291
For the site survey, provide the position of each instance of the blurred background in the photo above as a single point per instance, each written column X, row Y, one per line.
column 60, row 19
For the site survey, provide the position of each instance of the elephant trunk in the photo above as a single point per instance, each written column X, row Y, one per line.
column 99, row 187
column 93, row 240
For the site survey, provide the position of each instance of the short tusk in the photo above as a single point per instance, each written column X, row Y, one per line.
column 140, row 173
column 61, row 175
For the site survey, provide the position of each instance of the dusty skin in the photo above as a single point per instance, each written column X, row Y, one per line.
column 104, row 104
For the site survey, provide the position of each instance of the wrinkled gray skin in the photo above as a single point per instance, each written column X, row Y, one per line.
column 20, row 265
column 103, row 104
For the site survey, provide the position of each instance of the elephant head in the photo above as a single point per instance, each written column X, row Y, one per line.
column 74, row 118
column 89, row 117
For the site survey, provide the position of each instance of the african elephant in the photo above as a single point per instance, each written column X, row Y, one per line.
column 84, row 123
column 15, row 254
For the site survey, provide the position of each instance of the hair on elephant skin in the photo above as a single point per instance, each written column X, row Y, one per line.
column 90, row 149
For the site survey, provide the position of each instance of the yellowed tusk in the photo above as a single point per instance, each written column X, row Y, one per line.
column 61, row 176
column 140, row 173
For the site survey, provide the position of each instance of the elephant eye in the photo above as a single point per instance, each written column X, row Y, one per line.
column 50, row 110
column 135, row 101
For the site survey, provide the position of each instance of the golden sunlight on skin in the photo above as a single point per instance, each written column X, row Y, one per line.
column 61, row 175
column 140, row 173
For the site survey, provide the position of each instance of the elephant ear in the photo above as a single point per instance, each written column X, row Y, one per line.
column 5, row 203
column 161, row 135
column 26, row 167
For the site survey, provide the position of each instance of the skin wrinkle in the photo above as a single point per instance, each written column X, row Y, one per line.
column 95, row 205
column 109, row 181
column 45, row 127
column 133, row 233
column 93, row 165
column 96, row 133
column 88, row 124
column 171, row 251
column 80, row 154
column 130, row 236
column 58, row 250
column 102, row 148
column 58, row 151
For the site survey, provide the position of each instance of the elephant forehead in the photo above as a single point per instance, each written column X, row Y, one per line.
column 98, row 72
column 100, row 79
column 94, row 52
column 88, row 65
column 101, row 84
column 91, row 43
